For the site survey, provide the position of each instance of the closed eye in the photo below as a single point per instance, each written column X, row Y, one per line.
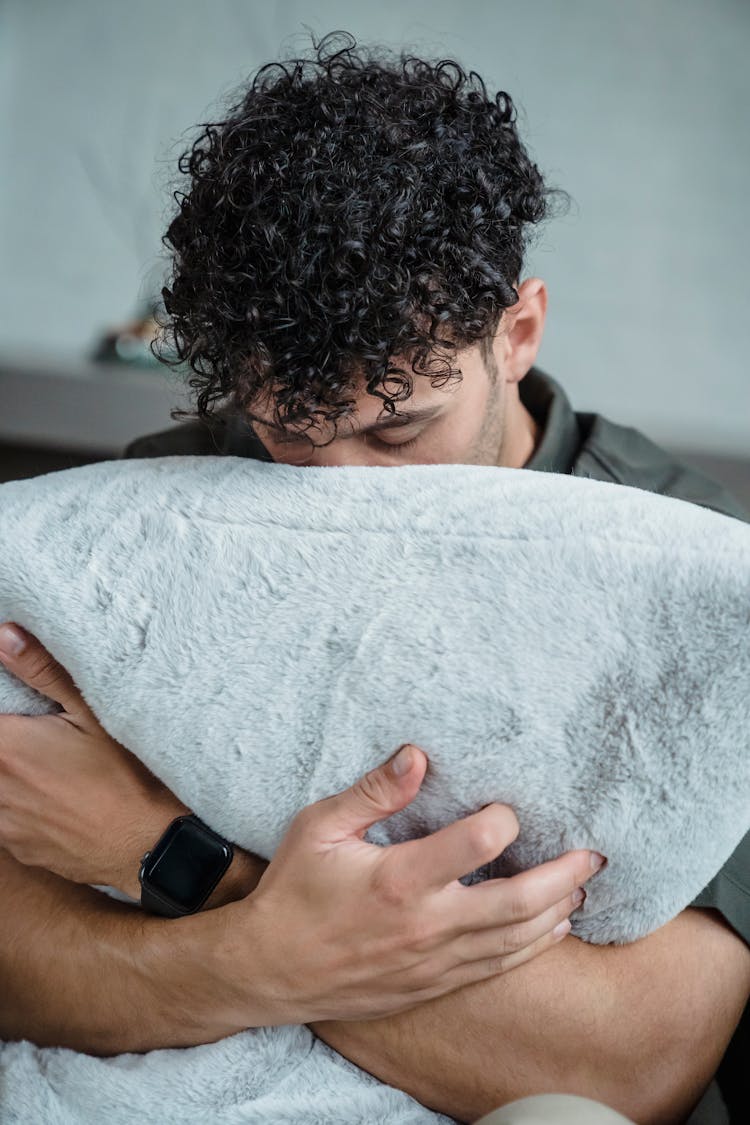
column 401, row 446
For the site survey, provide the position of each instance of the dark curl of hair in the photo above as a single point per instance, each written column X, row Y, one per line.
column 351, row 209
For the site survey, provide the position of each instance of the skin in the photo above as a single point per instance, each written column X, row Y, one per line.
column 641, row 1027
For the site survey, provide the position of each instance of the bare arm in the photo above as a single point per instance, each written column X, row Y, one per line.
column 127, row 982
column 641, row 1027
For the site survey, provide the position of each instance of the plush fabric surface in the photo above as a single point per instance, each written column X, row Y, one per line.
column 260, row 635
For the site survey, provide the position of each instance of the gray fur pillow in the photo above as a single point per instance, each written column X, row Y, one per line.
column 260, row 635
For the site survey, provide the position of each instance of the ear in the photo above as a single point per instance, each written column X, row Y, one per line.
column 525, row 327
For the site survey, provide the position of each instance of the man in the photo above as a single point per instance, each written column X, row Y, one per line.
column 346, row 289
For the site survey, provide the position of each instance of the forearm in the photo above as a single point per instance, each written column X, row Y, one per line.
column 80, row 970
column 641, row 1027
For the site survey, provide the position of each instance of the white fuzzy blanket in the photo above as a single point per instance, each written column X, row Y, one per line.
column 260, row 635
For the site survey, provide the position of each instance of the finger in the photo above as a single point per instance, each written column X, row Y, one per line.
column 375, row 796
column 486, row 967
column 441, row 858
column 518, row 898
column 504, row 940
column 25, row 656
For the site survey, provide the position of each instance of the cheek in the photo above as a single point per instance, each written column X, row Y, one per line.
column 450, row 443
column 464, row 428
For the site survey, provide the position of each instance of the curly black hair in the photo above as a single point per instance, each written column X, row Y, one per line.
column 353, row 207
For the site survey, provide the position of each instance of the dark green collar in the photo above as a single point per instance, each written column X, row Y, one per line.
column 240, row 440
column 560, row 443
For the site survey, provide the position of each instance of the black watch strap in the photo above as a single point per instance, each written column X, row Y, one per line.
column 154, row 904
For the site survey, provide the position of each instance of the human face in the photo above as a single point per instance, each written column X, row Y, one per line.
column 458, row 423
column 477, row 420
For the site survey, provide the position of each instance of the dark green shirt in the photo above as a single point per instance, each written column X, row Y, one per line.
column 584, row 445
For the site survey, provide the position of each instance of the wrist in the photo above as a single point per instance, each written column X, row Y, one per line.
column 184, row 958
column 245, row 979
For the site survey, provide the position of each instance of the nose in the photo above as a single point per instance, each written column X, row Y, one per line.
column 341, row 453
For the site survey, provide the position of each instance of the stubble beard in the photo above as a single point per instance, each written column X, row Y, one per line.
column 492, row 440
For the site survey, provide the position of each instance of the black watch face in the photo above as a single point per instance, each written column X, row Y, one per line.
column 188, row 863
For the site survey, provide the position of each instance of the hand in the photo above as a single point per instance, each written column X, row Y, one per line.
column 342, row 929
column 72, row 800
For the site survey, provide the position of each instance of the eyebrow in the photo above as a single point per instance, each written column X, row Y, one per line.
column 392, row 422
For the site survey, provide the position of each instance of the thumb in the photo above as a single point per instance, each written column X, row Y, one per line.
column 28, row 659
column 375, row 796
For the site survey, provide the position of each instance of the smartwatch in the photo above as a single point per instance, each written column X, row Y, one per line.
column 179, row 874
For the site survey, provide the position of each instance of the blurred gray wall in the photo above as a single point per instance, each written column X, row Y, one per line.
column 638, row 108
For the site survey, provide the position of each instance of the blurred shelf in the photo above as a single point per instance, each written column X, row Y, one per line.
column 75, row 404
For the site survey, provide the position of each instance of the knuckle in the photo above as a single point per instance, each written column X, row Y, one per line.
column 496, row 964
column 513, row 938
column 372, row 788
column 510, row 825
column 492, row 830
column 390, row 887
column 483, row 838
column 425, row 974
column 504, row 821
column 12, row 731
column 42, row 669
column 518, row 904
column 420, row 935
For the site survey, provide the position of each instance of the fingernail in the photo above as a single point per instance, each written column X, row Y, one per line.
column 401, row 764
column 561, row 929
column 578, row 896
column 597, row 861
column 12, row 640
